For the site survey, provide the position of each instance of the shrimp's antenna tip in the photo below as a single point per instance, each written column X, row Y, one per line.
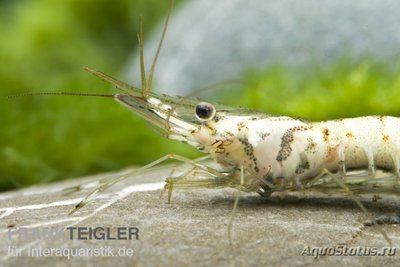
column 146, row 83
column 57, row 93
column 153, row 65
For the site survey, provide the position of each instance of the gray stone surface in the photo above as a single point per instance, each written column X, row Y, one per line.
column 192, row 230
column 209, row 41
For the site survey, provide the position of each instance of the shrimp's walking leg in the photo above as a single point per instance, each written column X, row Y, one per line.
column 358, row 202
column 106, row 183
column 183, row 182
column 213, row 182
column 371, row 164
column 341, row 157
column 235, row 205
column 207, row 178
column 111, row 180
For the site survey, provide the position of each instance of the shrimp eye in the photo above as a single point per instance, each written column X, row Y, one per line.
column 205, row 111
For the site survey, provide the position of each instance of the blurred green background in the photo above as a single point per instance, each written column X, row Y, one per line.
column 44, row 45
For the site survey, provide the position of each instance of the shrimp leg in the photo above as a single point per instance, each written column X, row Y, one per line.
column 106, row 183
column 358, row 202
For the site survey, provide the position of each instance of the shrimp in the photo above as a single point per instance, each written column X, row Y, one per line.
column 277, row 153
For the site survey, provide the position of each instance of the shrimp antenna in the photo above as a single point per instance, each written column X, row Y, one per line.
column 142, row 68
column 146, row 84
column 153, row 65
column 58, row 93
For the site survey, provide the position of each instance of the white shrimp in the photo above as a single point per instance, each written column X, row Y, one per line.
column 276, row 153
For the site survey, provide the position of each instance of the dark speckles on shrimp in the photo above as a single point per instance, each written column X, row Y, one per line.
column 249, row 150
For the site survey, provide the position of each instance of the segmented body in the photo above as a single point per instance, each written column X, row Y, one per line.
column 283, row 149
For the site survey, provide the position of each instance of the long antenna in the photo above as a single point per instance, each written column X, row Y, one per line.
column 142, row 68
column 58, row 93
column 153, row 65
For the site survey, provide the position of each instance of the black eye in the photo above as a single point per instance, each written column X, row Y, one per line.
column 205, row 111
